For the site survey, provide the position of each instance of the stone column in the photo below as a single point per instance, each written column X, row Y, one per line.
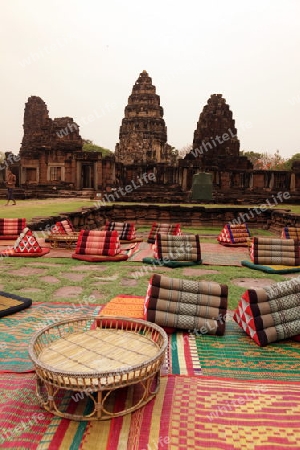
column 184, row 179
column 251, row 181
column 78, row 175
column 293, row 182
column 271, row 185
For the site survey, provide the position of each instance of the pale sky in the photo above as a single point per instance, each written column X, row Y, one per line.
column 82, row 58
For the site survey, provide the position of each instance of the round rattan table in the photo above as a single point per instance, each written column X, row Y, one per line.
column 99, row 361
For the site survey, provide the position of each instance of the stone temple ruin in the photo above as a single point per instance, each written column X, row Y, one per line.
column 216, row 144
column 143, row 133
column 51, row 155
column 47, row 146
column 52, row 161
column 143, row 146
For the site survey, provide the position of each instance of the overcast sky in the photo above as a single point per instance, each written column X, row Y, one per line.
column 82, row 58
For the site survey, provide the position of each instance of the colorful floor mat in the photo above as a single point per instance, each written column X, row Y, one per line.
column 16, row 331
column 187, row 413
column 60, row 253
column 132, row 306
column 271, row 268
column 220, row 255
column 236, row 355
column 181, row 356
column 10, row 303
column 141, row 250
column 211, row 254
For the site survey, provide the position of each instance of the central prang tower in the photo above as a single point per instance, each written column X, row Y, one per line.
column 143, row 133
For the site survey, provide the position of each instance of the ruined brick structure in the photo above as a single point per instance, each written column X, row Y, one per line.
column 143, row 147
column 51, row 156
column 143, row 133
column 51, row 153
column 216, row 143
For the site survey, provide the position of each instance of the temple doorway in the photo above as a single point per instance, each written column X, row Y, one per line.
column 87, row 176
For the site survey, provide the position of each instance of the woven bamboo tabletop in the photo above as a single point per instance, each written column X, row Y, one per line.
column 97, row 351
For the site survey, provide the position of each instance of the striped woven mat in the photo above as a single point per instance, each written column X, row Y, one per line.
column 236, row 355
column 181, row 355
column 17, row 329
column 211, row 254
column 219, row 255
column 278, row 268
column 187, row 413
column 141, row 250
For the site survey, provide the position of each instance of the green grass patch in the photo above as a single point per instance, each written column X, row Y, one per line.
column 109, row 279
column 43, row 208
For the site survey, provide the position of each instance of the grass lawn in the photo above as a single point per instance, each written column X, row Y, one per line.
column 103, row 280
column 43, row 207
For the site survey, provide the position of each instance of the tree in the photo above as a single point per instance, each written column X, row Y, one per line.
column 89, row 146
column 253, row 157
column 184, row 150
column 272, row 162
column 289, row 162
column 266, row 161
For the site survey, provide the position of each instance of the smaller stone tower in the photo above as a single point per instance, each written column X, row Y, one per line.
column 42, row 132
column 215, row 143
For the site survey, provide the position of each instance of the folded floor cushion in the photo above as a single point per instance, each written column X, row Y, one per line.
column 26, row 245
column 290, row 233
column 63, row 227
column 272, row 313
column 185, row 304
column 11, row 228
column 269, row 251
column 97, row 246
column 126, row 230
column 177, row 248
column 96, row 242
column 163, row 228
column 234, row 234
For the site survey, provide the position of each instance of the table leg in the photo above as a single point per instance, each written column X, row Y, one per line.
column 99, row 404
column 50, row 391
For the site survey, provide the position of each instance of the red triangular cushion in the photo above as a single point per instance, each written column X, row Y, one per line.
column 27, row 243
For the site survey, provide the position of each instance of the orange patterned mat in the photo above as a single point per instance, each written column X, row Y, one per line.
column 125, row 306
column 188, row 413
